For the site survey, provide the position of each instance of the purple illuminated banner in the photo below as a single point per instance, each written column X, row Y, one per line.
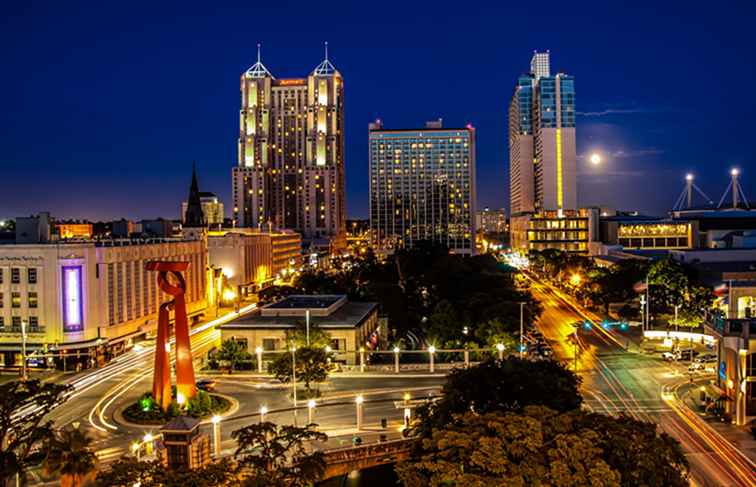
column 73, row 309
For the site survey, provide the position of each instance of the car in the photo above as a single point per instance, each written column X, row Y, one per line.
column 706, row 358
column 670, row 356
column 207, row 385
column 686, row 354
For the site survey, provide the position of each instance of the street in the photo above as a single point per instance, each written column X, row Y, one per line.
column 616, row 381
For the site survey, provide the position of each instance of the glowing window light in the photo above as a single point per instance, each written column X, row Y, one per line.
column 72, row 299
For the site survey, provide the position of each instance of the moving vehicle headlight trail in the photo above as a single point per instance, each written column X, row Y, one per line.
column 134, row 360
column 713, row 459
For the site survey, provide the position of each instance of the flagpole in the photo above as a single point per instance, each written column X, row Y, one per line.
column 729, row 301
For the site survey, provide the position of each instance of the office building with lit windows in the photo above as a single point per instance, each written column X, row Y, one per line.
column 543, row 155
column 290, row 169
column 88, row 300
column 422, row 187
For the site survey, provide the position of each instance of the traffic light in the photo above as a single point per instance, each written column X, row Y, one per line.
column 587, row 325
column 623, row 326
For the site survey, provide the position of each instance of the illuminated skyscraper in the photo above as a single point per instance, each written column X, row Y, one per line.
column 290, row 171
column 543, row 158
column 422, row 187
column 543, row 162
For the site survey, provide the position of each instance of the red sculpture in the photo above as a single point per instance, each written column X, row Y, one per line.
column 161, row 382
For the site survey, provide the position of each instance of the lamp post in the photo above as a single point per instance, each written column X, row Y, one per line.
column 358, row 404
column 643, row 314
column 263, row 412
column 135, row 447
column 216, row 435
column 310, row 408
column 307, row 324
column 500, row 348
column 522, row 327
column 259, row 352
column 677, row 307
column 467, row 358
column 407, row 410
column 431, row 351
column 148, row 439
column 396, row 360
column 294, row 376
column 362, row 359
column 23, row 351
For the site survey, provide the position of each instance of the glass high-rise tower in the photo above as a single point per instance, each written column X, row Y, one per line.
column 290, row 170
column 542, row 152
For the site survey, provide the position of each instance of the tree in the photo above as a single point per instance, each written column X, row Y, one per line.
column 506, row 385
column 23, row 407
column 539, row 446
column 233, row 352
column 641, row 454
column 128, row 472
column 671, row 285
column 70, row 456
column 498, row 449
column 312, row 365
column 493, row 332
column 275, row 456
column 319, row 338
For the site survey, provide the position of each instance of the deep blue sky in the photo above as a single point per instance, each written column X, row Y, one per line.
column 104, row 105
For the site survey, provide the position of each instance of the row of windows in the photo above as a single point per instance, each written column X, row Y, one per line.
column 15, row 275
column 32, row 300
column 15, row 322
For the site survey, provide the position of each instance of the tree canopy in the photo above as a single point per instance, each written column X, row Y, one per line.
column 539, row 446
column 502, row 385
column 23, row 407
column 312, row 365
column 269, row 455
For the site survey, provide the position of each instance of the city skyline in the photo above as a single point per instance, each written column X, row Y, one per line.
column 111, row 157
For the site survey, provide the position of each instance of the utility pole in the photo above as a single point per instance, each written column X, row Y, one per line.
column 24, row 375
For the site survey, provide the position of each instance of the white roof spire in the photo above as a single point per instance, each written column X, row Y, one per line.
column 325, row 68
column 258, row 70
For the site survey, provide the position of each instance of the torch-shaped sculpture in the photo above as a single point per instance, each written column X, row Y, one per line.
column 161, row 381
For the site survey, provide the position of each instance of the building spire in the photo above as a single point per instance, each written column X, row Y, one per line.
column 325, row 68
column 258, row 70
column 194, row 217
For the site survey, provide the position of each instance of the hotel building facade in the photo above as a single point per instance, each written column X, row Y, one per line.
column 290, row 168
column 422, row 187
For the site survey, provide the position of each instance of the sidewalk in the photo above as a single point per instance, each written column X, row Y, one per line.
column 739, row 436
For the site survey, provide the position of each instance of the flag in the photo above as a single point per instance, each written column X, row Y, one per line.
column 721, row 290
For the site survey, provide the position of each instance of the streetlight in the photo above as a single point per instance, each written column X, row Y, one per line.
column 135, row 450
column 310, row 408
column 522, row 327
column 263, row 412
column 500, row 348
column 396, row 360
column 575, row 279
column 180, row 399
column 407, row 410
column 216, row 419
column 23, row 351
column 148, row 438
column 362, row 359
column 358, row 404
column 259, row 352
column 307, row 321
column 595, row 159
column 431, row 351
column 294, row 376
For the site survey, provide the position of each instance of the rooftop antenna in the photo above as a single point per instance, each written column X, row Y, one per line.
column 737, row 191
column 326, row 50
column 258, row 52
column 685, row 200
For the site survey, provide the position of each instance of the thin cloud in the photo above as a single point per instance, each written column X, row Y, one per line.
column 613, row 111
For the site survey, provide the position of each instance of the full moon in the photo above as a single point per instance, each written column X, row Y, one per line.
column 595, row 159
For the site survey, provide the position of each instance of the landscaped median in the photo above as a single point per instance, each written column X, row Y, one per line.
column 146, row 412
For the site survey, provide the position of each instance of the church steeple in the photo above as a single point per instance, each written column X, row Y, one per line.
column 194, row 217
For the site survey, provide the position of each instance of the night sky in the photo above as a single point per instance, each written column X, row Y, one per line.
column 106, row 104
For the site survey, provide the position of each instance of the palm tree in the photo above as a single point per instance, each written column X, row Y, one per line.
column 69, row 455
